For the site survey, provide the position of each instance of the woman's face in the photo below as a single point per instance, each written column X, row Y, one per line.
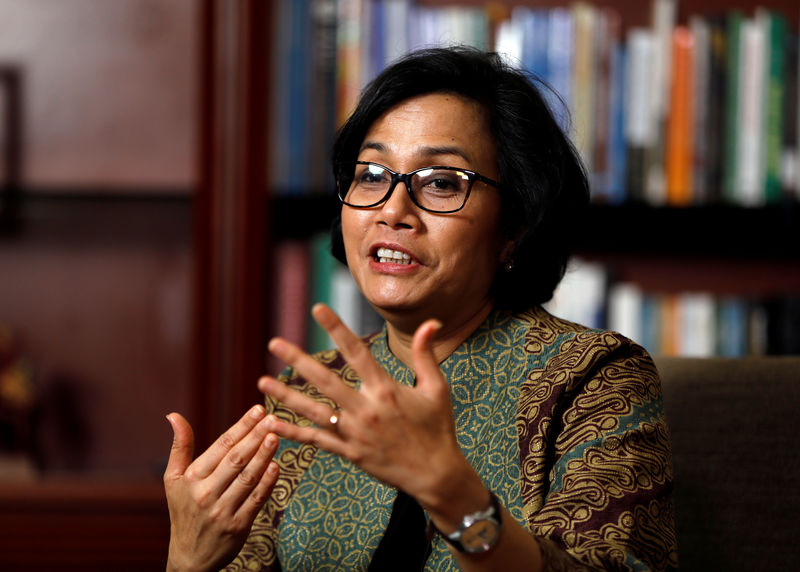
column 452, row 257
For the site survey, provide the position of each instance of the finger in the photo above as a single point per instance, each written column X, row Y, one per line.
column 182, row 451
column 429, row 377
column 235, row 466
column 250, row 477
column 205, row 464
column 353, row 348
column 313, row 410
column 249, row 509
column 327, row 440
column 317, row 374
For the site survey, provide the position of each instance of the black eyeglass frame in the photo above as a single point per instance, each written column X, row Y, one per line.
column 405, row 178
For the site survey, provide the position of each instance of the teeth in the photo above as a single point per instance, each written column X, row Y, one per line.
column 393, row 256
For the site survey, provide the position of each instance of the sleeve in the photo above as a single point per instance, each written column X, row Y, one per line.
column 606, row 498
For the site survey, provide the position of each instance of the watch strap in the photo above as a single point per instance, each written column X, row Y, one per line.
column 491, row 513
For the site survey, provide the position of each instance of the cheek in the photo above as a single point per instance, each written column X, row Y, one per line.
column 353, row 229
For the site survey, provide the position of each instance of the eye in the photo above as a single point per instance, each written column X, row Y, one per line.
column 371, row 175
column 442, row 181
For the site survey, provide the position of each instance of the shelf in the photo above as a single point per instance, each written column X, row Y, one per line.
column 91, row 525
column 710, row 231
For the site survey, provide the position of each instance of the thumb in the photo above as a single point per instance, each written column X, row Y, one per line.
column 429, row 377
column 182, row 451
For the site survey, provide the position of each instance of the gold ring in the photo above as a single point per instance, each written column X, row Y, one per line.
column 334, row 420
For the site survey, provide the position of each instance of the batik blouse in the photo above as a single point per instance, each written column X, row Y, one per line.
column 564, row 424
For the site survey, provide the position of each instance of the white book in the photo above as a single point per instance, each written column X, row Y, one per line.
column 750, row 145
column 346, row 298
column 639, row 129
column 580, row 295
column 696, row 323
column 664, row 16
column 509, row 39
column 396, row 30
column 625, row 310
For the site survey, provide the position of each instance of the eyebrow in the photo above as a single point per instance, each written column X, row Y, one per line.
column 427, row 151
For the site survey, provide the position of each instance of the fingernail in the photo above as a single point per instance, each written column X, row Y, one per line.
column 272, row 469
column 256, row 412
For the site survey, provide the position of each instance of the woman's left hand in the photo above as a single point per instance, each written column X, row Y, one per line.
column 403, row 436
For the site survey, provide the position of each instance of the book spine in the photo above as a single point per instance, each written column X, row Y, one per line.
column 750, row 170
column 584, row 82
column 774, row 102
column 681, row 118
column 731, row 139
column 639, row 129
column 701, row 80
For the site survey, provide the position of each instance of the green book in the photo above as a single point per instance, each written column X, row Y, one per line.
column 322, row 269
column 775, row 67
column 733, row 45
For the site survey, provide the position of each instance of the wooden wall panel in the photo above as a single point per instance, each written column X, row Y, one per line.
column 109, row 90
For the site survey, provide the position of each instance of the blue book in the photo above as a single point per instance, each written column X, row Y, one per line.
column 732, row 335
column 559, row 62
column 617, row 167
column 651, row 323
column 534, row 25
column 297, row 108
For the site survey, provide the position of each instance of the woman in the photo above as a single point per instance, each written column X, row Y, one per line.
column 475, row 431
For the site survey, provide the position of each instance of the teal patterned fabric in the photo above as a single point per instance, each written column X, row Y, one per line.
column 563, row 424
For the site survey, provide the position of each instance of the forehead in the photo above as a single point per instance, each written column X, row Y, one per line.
column 430, row 123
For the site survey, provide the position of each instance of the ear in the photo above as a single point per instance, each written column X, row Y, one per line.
column 507, row 250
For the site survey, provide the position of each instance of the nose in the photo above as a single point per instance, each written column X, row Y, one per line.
column 398, row 210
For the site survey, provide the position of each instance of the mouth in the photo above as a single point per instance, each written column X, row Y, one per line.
column 389, row 256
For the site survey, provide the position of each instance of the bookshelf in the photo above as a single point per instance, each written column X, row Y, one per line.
column 211, row 210
column 716, row 241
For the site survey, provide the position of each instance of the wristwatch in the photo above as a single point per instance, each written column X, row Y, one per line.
column 479, row 531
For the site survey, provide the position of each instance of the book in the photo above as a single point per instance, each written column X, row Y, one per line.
column 616, row 190
column 790, row 148
column 625, row 310
column 733, row 32
column 581, row 294
column 639, row 128
column 680, row 141
column 716, row 103
column 773, row 107
column 749, row 189
column 584, row 81
column 660, row 74
column 560, row 54
column 322, row 111
column 731, row 327
column 349, row 73
column 291, row 267
column 697, row 326
column 607, row 30
column 701, row 101
column 322, row 267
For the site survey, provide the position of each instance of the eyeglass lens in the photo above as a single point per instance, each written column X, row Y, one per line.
column 436, row 189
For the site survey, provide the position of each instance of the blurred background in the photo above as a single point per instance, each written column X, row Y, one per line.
column 165, row 198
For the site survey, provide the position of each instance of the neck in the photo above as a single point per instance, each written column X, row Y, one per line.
column 454, row 331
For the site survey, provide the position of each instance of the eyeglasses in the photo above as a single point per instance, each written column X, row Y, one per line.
column 434, row 189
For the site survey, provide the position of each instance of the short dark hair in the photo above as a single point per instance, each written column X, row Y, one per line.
column 543, row 181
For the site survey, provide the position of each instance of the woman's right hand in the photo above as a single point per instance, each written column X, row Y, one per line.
column 214, row 499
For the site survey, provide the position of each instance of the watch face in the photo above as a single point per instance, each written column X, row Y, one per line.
column 480, row 536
